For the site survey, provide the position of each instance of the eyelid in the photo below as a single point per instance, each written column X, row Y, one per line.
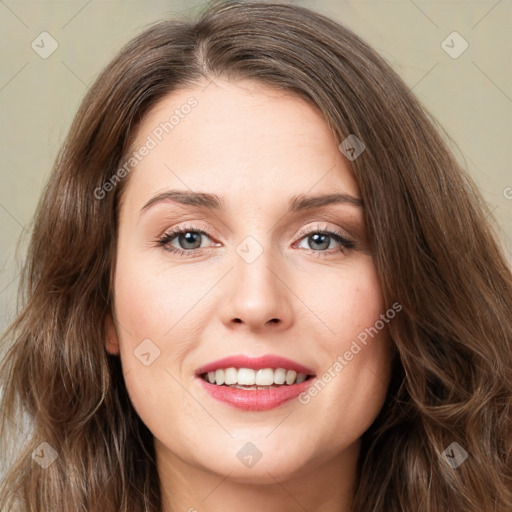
column 317, row 228
column 350, row 226
column 190, row 227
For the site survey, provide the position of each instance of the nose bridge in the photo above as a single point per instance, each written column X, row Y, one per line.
column 258, row 296
column 255, row 282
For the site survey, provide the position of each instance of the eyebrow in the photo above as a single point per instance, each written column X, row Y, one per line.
column 214, row 202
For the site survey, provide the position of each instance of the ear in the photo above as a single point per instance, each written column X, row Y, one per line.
column 112, row 341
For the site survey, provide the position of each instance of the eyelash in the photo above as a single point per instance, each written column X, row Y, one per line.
column 167, row 237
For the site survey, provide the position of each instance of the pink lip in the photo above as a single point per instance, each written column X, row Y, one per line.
column 255, row 363
column 253, row 399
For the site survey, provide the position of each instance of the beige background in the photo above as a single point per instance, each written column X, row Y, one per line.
column 471, row 96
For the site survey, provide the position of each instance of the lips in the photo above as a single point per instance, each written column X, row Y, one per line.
column 255, row 384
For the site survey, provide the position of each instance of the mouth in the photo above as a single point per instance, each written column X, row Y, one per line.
column 255, row 384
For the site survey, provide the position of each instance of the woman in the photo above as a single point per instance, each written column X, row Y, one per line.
column 258, row 279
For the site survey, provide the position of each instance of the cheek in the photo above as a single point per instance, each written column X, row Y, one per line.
column 346, row 300
column 358, row 352
column 143, row 300
column 154, row 302
column 158, row 311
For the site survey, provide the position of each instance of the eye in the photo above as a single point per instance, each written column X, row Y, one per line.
column 324, row 240
column 188, row 238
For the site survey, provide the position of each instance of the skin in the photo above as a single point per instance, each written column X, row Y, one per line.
column 255, row 147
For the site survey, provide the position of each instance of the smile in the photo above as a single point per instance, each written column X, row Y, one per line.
column 254, row 384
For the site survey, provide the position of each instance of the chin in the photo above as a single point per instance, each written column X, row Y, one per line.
column 276, row 467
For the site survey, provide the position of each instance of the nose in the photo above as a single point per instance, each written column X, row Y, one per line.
column 257, row 296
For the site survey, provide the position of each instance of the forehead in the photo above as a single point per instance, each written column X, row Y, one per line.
column 239, row 139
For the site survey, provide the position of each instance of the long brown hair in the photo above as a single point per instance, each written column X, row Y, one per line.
column 434, row 248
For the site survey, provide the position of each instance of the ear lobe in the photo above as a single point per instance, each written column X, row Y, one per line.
column 112, row 341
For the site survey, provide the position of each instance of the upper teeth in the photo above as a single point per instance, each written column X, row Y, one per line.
column 250, row 377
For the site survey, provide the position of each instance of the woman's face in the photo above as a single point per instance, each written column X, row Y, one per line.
column 277, row 275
